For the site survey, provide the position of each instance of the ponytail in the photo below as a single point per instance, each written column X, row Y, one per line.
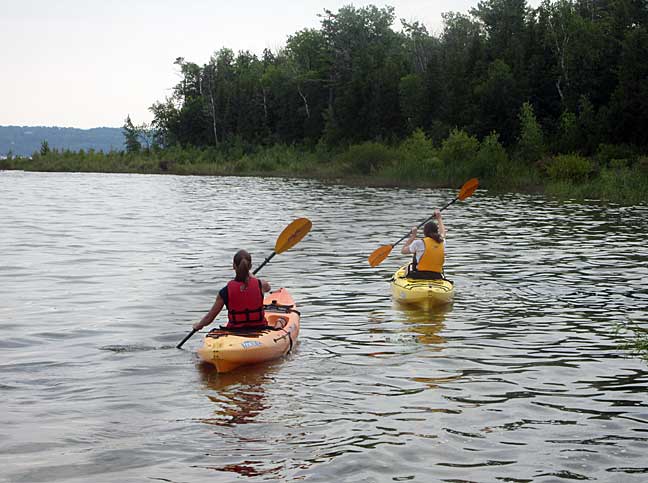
column 242, row 265
column 431, row 230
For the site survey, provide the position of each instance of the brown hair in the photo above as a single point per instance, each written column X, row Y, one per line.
column 431, row 230
column 242, row 265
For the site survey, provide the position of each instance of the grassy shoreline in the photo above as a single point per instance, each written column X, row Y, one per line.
column 415, row 162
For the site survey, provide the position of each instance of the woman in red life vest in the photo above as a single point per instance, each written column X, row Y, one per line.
column 242, row 296
column 429, row 253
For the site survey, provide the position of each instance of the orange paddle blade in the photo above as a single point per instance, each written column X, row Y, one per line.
column 379, row 254
column 292, row 234
column 468, row 188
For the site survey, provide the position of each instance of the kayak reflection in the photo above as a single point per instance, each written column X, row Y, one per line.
column 425, row 322
column 239, row 396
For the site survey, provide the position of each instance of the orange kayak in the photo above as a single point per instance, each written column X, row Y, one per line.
column 228, row 349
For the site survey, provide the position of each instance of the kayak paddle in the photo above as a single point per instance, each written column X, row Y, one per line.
column 289, row 237
column 379, row 254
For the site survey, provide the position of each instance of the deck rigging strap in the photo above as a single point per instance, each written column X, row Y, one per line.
column 284, row 336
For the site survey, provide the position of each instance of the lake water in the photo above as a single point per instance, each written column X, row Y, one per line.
column 521, row 379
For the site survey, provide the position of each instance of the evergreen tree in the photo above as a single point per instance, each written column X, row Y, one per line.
column 131, row 136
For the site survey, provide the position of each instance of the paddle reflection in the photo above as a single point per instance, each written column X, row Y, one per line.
column 239, row 395
column 425, row 322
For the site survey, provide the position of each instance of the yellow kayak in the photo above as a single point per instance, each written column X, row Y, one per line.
column 227, row 349
column 415, row 291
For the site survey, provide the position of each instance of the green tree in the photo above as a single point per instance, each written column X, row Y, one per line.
column 356, row 79
column 306, row 64
column 530, row 146
column 589, row 127
column 44, row 148
column 629, row 116
column 165, row 121
column 412, row 100
column 131, row 136
column 504, row 23
column 569, row 138
column 496, row 100
column 367, row 64
column 462, row 44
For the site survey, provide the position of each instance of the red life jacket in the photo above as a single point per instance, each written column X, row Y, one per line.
column 245, row 304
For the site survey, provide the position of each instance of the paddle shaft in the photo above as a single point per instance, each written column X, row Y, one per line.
column 264, row 263
column 193, row 331
column 425, row 221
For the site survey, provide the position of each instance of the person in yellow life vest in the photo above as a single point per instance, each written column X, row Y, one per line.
column 242, row 296
column 429, row 253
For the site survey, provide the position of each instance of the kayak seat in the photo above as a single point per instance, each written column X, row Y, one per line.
column 243, row 331
column 424, row 275
column 280, row 323
column 274, row 307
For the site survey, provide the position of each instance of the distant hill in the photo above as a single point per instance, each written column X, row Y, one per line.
column 25, row 140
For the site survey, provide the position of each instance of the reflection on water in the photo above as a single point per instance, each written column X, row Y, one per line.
column 238, row 396
column 425, row 322
column 520, row 379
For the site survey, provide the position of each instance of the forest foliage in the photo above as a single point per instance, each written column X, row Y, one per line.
column 578, row 69
column 552, row 98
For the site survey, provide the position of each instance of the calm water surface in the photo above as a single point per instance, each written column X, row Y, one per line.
column 521, row 379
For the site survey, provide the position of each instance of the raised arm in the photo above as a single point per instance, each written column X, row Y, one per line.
column 405, row 250
column 442, row 229
column 211, row 315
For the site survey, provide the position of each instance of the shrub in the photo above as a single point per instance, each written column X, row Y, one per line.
column 459, row 148
column 416, row 159
column 417, row 147
column 265, row 164
column 458, row 154
column 410, row 169
column 491, row 155
column 438, row 131
column 618, row 163
column 279, row 156
column 642, row 165
column 242, row 165
column 607, row 153
column 570, row 167
column 366, row 158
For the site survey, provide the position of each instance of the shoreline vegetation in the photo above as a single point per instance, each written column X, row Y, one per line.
column 615, row 174
column 549, row 99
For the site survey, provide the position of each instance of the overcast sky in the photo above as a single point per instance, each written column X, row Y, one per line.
column 90, row 63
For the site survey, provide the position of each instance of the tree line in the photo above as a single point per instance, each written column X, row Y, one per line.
column 550, row 99
column 578, row 69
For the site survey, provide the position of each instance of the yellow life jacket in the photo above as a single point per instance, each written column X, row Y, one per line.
column 433, row 257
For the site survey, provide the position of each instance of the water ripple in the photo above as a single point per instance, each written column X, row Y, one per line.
column 520, row 379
